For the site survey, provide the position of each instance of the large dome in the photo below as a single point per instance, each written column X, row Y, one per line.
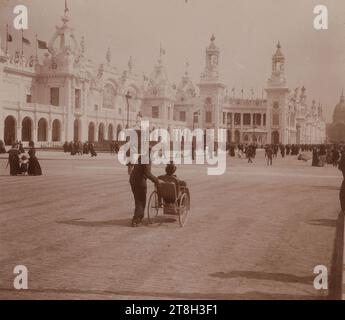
column 339, row 110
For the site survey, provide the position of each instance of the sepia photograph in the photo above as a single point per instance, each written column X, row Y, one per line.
column 172, row 150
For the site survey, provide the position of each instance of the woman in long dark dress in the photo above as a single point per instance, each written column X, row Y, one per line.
column 34, row 166
column 2, row 147
column 315, row 160
column 13, row 160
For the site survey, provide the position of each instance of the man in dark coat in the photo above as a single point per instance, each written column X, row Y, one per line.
column 138, row 181
column 342, row 188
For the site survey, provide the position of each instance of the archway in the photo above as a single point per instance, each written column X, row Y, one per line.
column 275, row 137
column 229, row 136
column 101, row 133
column 118, row 130
column 91, row 134
column 42, row 130
column 27, row 129
column 237, row 137
column 56, row 131
column 77, row 130
column 10, row 130
column 110, row 133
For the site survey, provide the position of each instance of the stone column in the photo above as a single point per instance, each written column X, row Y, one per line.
column 69, row 125
column 50, row 130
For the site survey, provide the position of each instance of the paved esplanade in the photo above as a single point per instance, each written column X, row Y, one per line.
column 255, row 232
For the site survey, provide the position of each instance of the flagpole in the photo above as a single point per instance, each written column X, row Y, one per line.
column 6, row 39
column 36, row 48
column 22, row 42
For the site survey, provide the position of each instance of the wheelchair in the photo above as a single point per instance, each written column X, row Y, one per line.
column 169, row 198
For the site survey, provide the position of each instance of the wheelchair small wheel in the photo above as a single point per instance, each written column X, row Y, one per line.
column 183, row 209
column 153, row 207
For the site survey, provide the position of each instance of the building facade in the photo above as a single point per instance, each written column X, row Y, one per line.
column 68, row 97
column 336, row 130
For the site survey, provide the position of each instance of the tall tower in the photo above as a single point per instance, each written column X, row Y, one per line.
column 277, row 100
column 212, row 89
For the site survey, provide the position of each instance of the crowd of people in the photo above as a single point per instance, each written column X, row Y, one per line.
column 321, row 154
column 79, row 148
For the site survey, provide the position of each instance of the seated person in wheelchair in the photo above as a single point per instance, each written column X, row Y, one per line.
column 170, row 171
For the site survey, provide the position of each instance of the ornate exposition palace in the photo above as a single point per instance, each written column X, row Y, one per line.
column 67, row 97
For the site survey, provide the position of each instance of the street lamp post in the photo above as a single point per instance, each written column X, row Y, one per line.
column 128, row 96
column 197, row 113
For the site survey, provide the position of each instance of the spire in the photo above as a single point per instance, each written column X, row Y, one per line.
column 130, row 64
column 213, row 37
column 187, row 68
column 66, row 7
column 342, row 98
column 65, row 17
column 108, row 56
column 278, row 55
column 82, row 45
column 162, row 53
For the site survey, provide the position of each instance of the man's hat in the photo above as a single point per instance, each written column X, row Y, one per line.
column 170, row 168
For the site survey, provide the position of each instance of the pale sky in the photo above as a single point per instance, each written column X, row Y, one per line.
column 246, row 32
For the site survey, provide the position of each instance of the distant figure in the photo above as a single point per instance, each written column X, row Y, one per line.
column 13, row 160
column 335, row 157
column 232, row 150
column 282, row 151
column 86, row 148
column 250, row 154
column 21, row 148
column 34, row 166
column 2, row 147
column 269, row 154
column 315, row 161
column 92, row 150
column 65, row 147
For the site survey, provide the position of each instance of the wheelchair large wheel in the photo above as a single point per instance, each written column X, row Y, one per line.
column 153, row 207
column 183, row 209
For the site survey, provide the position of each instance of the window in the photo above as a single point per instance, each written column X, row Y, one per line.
column 229, row 118
column 237, row 119
column 155, row 112
column 276, row 105
column 275, row 120
column 28, row 98
column 196, row 117
column 182, row 115
column 96, row 107
column 77, row 94
column 208, row 116
column 55, row 96
column 257, row 119
column 246, row 119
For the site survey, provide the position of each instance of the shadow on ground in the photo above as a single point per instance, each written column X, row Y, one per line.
column 117, row 222
column 281, row 277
